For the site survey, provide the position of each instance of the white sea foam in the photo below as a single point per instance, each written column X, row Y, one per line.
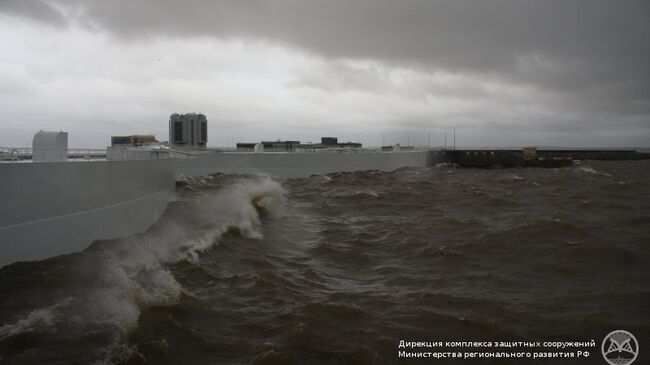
column 132, row 273
column 38, row 320
column 591, row 170
column 367, row 192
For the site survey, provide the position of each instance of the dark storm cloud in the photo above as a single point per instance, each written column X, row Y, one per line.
column 560, row 64
column 33, row 9
column 563, row 44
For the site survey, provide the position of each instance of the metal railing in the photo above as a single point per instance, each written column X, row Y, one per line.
column 86, row 153
column 26, row 153
column 182, row 154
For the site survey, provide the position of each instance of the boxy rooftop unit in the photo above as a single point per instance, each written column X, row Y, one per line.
column 50, row 147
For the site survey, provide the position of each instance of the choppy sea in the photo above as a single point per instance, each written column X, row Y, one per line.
column 339, row 269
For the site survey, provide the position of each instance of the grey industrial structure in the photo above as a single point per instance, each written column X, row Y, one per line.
column 188, row 130
column 330, row 142
column 292, row 146
column 132, row 140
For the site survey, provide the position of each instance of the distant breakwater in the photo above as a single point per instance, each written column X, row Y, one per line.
column 528, row 157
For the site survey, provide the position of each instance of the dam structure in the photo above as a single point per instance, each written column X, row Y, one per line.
column 55, row 201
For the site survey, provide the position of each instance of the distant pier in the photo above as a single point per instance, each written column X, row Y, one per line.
column 528, row 157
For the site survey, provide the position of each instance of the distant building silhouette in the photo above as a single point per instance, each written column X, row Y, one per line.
column 188, row 130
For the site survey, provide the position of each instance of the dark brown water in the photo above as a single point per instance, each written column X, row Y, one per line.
column 338, row 269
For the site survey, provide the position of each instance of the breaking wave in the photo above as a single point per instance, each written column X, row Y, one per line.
column 339, row 268
column 591, row 170
column 38, row 320
column 131, row 274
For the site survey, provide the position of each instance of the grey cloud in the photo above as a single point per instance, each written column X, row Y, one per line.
column 38, row 10
column 341, row 76
column 589, row 41
column 586, row 60
column 558, row 44
column 15, row 81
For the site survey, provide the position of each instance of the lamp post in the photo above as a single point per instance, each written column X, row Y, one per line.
column 453, row 128
column 445, row 131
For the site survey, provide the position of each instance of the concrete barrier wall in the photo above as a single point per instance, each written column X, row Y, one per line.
column 595, row 154
column 515, row 158
column 49, row 209
column 293, row 165
column 486, row 158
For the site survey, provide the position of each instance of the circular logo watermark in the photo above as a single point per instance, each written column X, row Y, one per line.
column 620, row 348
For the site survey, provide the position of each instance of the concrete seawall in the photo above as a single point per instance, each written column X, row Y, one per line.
column 516, row 158
column 54, row 208
column 484, row 158
column 292, row 165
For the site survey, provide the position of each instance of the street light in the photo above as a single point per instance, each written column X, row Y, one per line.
column 445, row 132
column 454, row 129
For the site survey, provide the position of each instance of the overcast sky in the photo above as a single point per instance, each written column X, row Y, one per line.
column 504, row 72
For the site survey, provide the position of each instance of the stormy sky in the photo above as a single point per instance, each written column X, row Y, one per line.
column 503, row 72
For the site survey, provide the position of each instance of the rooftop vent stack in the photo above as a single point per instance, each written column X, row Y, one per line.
column 50, row 146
